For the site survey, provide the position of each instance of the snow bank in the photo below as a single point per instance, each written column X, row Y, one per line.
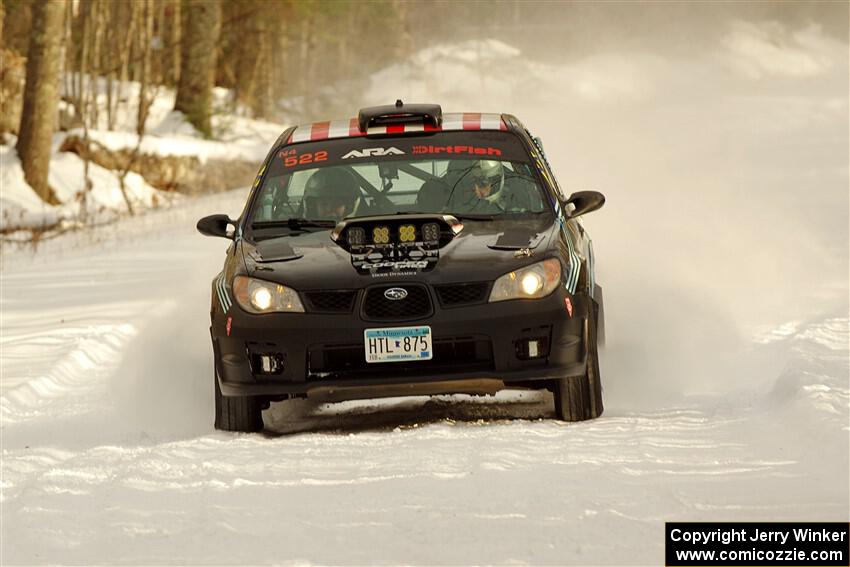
column 23, row 209
column 19, row 204
column 240, row 139
column 168, row 132
column 68, row 180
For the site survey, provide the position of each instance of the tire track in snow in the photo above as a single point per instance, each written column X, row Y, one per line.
column 174, row 496
column 73, row 380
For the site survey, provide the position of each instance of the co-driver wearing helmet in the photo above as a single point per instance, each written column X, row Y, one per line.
column 487, row 178
column 479, row 189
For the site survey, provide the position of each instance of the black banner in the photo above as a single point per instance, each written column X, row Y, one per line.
column 757, row 543
column 449, row 145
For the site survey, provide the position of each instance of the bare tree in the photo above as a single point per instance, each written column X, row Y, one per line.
column 85, row 16
column 202, row 25
column 98, row 20
column 38, row 119
column 145, row 37
column 89, row 110
column 174, row 41
column 112, row 47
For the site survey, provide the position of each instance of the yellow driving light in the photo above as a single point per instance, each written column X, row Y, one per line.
column 531, row 282
column 407, row 233
column 261, row 298
column 381, row 235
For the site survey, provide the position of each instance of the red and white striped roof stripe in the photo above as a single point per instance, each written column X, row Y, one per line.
column 349, row 128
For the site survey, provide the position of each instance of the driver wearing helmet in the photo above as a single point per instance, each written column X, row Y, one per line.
column 331, row 193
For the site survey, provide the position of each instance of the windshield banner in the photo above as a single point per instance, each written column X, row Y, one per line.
column 501, row 146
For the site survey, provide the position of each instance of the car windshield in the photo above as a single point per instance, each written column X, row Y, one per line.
column 475, row 174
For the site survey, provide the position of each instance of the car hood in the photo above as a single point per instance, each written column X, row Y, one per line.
column 481, row 252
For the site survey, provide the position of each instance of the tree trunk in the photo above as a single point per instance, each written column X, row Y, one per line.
column 97, row 16
column 124, row 58
column 307, row 66
column 82, row 62
column 38, row 119
column 174, row 42
column 145, row 36
column 198, row 59
column 70, row 54
column 110, row 85
column 111, row 48
column 257, row 89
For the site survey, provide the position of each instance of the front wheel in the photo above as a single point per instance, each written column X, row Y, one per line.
column 578, row 398
column 237, row 413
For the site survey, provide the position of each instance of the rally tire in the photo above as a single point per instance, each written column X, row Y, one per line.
column 578, row 398
column 237, row 413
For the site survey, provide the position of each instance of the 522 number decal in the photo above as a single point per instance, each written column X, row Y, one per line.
column 303, row 159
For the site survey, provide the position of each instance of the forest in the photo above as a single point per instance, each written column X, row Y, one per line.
column 79, row 66
column 275, row 57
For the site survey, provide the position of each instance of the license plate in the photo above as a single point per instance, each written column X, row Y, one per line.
column 398, row 344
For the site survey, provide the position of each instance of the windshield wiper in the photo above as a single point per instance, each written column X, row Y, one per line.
column 294, row 224
column 472, row 216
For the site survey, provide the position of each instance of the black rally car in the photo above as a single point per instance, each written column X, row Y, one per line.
column 405, row 252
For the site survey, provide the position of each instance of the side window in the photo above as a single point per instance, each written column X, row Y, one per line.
column 296, row 187
column 521, row 192
column 538, row 143
column 265, row 202
column 280, row 197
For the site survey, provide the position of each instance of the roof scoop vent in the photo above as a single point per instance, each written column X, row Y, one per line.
column 400, row 113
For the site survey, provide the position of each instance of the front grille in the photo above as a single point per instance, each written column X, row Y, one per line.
column 330, row 301
column 462, row 294
column 454, row 354
column 416, row 305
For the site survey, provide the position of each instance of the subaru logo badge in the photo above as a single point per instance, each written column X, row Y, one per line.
column 395, row 293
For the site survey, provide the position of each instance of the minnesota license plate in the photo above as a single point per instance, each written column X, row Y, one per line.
column 398, row 344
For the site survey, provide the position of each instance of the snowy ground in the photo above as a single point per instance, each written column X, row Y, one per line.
column 726, row 370
column 108, row 453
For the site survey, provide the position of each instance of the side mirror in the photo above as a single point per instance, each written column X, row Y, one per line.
column 215, row 225
column 585, row 202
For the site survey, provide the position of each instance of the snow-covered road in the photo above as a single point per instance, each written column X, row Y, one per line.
column 109, row 455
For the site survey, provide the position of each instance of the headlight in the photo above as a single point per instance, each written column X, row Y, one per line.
column 258, row 296
column 532, row 282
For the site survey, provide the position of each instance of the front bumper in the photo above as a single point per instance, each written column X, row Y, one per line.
column 325, row 352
